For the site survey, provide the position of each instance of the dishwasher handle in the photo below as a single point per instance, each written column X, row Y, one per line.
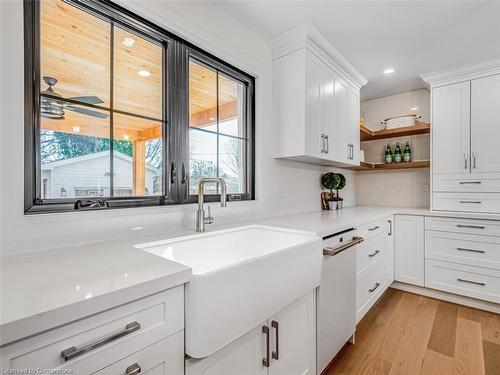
column 329, row 251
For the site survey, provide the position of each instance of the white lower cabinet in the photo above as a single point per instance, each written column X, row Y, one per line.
column 409, row 249
column 463, row 257
column 283, row 344
column 148, row 333
column 374, row 264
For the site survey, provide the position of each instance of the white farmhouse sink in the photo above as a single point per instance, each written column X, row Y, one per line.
column 240, row 277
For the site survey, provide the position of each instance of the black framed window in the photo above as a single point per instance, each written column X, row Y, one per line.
column 120, row 113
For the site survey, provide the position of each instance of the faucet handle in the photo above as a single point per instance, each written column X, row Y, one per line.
column 209, row 219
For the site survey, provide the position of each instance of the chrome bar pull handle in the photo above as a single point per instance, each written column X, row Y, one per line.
column 465, row 160
column 265, row 360
column 469, row 182
column 472, row 202
column 471, row 282
column 373, row 228
column 373, row 254
column 133, row 369
column 74, row 352
column 390, row 227
column 474, row 160
column 276, row 353
column 327, row 145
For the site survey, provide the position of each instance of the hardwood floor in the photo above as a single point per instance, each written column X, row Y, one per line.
column 408, row 334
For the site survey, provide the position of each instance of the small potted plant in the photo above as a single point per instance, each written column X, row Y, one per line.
column 332, row 181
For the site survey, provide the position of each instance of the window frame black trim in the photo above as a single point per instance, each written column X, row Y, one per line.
column 175, row 110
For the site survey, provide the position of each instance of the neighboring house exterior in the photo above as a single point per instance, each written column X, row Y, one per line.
column 88, row 176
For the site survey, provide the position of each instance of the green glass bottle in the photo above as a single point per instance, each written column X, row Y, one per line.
column 398, row 155
column 388, row 154
column 407, row 152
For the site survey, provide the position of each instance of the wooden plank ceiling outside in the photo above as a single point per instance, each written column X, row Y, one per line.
column 75, row 50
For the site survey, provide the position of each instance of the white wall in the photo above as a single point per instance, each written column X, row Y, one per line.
column 206, row 25
column 406, row 188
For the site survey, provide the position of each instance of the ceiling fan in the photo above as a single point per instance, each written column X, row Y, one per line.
column 54, row 109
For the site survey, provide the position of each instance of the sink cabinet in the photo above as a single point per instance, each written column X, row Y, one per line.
column 316, row 101
column 286, row 340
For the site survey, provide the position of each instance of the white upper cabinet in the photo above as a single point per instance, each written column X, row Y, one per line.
column 485, row 125
column 315, row 99
column 451, row 128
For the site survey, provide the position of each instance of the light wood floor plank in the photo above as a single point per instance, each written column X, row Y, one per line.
column 469, row 348
column 406, row 334
column 490, row 326
column 437, row 363
column 491, row 358
column 399, row 327
column 410, row 356
column 444, row 329
column 369, row 332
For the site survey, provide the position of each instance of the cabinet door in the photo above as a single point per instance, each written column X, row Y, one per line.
column 243, row 357
column 328, row 119
column 293, row 339
column 315, row 142
column 409, row 249
column 342, row 150
column 451, row 128
column 485, row 124
column 353, row 140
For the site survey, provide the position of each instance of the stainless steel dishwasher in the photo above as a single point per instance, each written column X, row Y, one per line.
column 336, row 296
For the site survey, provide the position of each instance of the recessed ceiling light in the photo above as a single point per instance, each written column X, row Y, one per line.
column 76, row 129
column 144, row 73
column 414, row 109
column 389, row 71
column 125, row 136
column 128, row 42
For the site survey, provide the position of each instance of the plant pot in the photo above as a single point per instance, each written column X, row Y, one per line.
column 335, row 205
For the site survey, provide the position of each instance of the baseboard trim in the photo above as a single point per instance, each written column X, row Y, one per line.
column 449, row 297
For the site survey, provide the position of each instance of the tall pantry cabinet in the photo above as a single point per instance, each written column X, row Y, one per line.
column 316, row 99
column 465, row 137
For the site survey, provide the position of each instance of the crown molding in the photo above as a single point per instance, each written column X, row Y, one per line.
column 309, row 37
column 462, row 73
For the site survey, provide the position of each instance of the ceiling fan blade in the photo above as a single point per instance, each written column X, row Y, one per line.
column 88, row 112
column 88, row 99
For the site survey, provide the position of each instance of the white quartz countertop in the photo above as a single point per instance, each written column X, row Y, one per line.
column 324, row 223
column 44, row 289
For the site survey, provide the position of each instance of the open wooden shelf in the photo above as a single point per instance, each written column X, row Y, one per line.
column 369, row 135
column 365, row 166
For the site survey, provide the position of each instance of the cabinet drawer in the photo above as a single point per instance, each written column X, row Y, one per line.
column 469, row 249
column 370, row 252
column 373, row 228
column 159, row 316
column 163, row 358
column 467, row 202
column 467, row 182
column 469, row 226
column 369, row 285
column 476, row 282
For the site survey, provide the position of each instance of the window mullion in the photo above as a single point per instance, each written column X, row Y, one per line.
column 111, row 113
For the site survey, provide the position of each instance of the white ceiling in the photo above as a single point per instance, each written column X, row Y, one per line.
column 414, row 37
